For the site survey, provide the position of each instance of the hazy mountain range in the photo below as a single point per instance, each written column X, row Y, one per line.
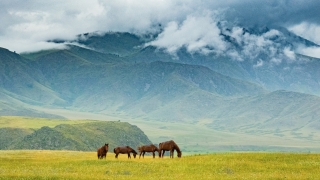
column 257, row 84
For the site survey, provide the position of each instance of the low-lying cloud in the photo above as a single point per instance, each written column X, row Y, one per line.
column 208, row 34
column 197, row 33
column 28, row 25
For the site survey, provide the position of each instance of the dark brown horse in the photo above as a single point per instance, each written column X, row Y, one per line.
column 147, row 148
column 102, row 152
column 169, row 146
column 125, row 150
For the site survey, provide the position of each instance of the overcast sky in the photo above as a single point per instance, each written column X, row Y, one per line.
column 26, row 25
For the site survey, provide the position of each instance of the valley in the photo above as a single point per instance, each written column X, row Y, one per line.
column 198, row 137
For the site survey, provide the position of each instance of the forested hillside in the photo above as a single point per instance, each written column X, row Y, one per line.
column 66, row 135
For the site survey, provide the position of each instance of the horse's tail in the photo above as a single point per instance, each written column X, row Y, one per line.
column 114, row 150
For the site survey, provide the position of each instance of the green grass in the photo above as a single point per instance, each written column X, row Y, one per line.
column 84, row 165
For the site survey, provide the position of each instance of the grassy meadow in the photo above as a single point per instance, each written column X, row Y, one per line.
column 43, row 164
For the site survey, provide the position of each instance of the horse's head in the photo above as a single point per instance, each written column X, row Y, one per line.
column 179, row 154
column 134, row 155
column 106, row 147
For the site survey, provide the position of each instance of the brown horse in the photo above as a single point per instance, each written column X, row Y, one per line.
column 148, row 148
column 125, row 150
column 102, row 152
column 169, row 146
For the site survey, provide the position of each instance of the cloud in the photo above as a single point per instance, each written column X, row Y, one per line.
column 33, row 22
column 197, row 33
column 309, row 51
column 258, row 64
column 252, row 45
column 308, row 31
column 209, row 34
column 289, row 54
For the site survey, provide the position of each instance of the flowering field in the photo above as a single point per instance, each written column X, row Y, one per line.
column 39, row 164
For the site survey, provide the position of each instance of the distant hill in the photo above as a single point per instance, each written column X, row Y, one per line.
column 81, row 137
column 271, row 112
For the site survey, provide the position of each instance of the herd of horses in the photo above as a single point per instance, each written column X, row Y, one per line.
column 164, row 146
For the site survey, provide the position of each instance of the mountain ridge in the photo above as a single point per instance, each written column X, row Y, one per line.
column 250, row 96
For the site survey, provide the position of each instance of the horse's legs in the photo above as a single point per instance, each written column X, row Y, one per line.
column 116, row 155
column 171, row 153
column 162, row 154
column 143, row 154
column 140, row 154
column 153, row 154
column 129, row 156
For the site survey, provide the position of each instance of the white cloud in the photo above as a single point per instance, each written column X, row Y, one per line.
column 252, row 45
column 195, row 33
column 275, row 60
column 308, row 31
column 289, row 54
column 258, row 64
column 34, row 22
column 18, row 45
column 309, row 51
column 270, row 34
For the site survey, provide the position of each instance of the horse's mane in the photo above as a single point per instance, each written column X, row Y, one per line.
column 155, row 147
column 176, row 147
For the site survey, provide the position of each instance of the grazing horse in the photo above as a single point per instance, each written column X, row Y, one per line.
column 125, row 150
column 169, row 146
column 147, row 148
column 102, row 152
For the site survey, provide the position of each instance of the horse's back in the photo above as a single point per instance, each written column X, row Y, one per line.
column 121, row 149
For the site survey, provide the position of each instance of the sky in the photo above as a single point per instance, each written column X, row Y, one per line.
column 27, row 25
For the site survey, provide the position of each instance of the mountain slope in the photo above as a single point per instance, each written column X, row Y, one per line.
column 275, row 111
column 82, row 137
column 20, row 80
column 157, row 90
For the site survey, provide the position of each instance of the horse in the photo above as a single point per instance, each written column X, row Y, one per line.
column 124, row 150
column 102, row 152
column 147, row 148
column 169, row 146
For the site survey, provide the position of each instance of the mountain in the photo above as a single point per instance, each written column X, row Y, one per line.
column 274, row 73
column 124, row 86
column 279, row 109
column 21, row 85
column 273, row 91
